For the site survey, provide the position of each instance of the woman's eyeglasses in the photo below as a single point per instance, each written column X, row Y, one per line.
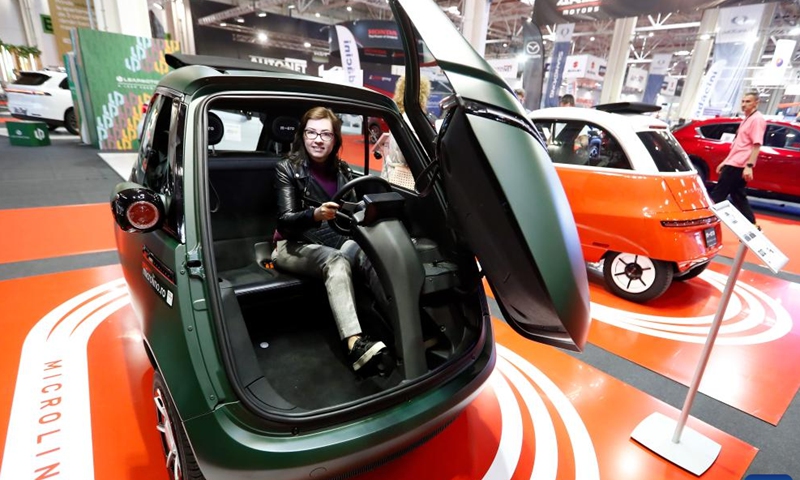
column 312, row 135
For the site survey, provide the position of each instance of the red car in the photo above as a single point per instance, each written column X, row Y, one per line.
column 778, row 167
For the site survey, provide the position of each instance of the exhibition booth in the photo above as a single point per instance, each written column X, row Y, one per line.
column 135, row 338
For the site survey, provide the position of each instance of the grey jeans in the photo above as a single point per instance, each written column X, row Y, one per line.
column 334, row 267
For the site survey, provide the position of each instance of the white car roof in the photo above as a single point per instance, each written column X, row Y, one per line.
column 624, row 127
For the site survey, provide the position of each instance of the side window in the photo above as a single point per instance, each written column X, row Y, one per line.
column 64, row 85
column 715, row 131
column 778, row 136
column 155, row 162
column 574, row 142
column 241, row 130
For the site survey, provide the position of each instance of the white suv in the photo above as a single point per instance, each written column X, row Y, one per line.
column 43, row 95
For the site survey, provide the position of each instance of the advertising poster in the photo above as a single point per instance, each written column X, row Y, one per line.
column 655, row 79
column 118, row 74
column 533, row 70
column 557, row 62
column 737, row 31
column 65, row 15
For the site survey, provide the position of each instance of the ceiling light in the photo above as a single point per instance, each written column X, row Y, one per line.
column 349, row 8
column 291, row 7
column 239, row 20
column 262, row 37
column 317, row 15
column 529, row 20
column 453, row 9
column 591, row 39
column 223, row 24
column 682, row 53
column 307, row 44
column 650, row 34
column 505, row 44
column 262, row 14
column 705, row 36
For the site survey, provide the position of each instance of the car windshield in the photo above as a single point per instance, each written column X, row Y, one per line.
column 667, row 154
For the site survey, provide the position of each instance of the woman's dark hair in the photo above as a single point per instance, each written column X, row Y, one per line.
column 298, row 145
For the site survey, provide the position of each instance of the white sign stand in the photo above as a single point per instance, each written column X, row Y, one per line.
column 671, row 439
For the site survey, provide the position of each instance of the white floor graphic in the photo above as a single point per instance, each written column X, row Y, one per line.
column 122, row 163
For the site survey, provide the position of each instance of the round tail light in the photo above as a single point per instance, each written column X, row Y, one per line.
column 142, row 215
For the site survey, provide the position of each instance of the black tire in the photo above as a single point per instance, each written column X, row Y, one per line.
column 690, row 274
column 636, row 277
column 375, row 132
column 51, row 127
column 180, row 461
column 71, row 121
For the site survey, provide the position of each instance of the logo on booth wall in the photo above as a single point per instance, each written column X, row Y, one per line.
column 39, row 134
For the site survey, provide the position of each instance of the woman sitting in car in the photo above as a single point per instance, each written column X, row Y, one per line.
column 304, row 243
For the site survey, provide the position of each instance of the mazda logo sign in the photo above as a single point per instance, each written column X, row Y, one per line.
column 564, row 32
column 533, row 48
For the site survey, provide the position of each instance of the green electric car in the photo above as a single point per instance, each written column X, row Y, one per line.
column 250, row 376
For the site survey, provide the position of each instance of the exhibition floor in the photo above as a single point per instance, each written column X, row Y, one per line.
column 545, row 414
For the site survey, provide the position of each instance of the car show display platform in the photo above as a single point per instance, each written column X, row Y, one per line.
column 77, row 402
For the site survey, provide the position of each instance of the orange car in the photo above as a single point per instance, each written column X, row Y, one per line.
column 640, row 207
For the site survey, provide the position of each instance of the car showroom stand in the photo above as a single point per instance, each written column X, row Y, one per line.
column 28, row 134
column 669, row 438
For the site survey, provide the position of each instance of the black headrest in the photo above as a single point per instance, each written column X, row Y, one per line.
column 284, row 128
column 215, row 129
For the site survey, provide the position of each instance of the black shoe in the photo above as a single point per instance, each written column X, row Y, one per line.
column 363, row 352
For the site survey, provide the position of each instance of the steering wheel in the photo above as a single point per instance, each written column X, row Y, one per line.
column 343, row 222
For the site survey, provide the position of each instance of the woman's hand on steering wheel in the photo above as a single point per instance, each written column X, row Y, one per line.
column 342, row 221
column 326, row 211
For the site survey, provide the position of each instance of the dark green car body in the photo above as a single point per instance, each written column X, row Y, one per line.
column 493, row 194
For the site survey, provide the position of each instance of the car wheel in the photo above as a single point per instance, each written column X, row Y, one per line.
column 181, row 464
column 51, row 127
column 636, row 277
column 71, row 121
column 691, row 273
column 375, row 133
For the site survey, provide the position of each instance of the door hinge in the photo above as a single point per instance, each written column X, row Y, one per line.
column 194, row 263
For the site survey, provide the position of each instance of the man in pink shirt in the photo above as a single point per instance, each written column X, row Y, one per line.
column 737, row 168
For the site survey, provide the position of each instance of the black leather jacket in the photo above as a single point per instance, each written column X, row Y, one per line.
column 298, row 195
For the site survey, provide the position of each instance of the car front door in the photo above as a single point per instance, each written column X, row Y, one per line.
column 778, row 164
column 501, row 188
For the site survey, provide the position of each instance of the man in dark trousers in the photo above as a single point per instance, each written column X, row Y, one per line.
column 737, row 168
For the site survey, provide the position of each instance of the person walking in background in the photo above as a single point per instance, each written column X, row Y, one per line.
column 567, row 100
column 737, row 168
column 395, row 169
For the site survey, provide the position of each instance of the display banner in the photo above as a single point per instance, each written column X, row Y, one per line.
column 507, row 68
column 636, row 78
column 533, row 70
column 774, row 73
column 348, row 48
column 118, row 74
column 655, row 78
column 65, row 15
column 557, row 62
column 551, row 12
column 738, row 29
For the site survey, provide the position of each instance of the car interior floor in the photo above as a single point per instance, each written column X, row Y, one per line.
column 302, row 357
